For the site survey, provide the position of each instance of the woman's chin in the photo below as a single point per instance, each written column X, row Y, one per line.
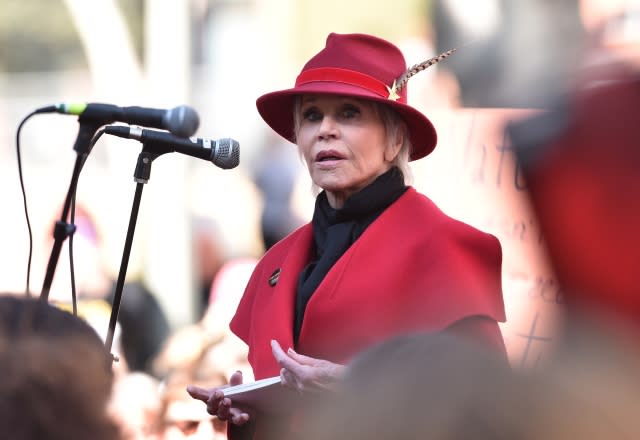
column 330, row 182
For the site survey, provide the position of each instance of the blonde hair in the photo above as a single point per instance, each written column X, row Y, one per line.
column 394, row 125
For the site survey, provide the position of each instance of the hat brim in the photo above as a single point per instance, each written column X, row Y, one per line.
column 276, row 108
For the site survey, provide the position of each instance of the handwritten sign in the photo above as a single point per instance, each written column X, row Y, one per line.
column 473, row 175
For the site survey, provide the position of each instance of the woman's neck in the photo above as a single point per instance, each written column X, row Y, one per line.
column 337, row 199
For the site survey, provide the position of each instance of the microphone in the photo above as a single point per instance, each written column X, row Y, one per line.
column 224, row 153
column 182, row 120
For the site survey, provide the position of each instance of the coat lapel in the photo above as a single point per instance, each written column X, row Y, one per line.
column 284, row 293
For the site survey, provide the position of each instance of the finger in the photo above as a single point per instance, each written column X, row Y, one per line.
column 236, row 378
column 294, row 367
column 199, row 393
column 237, row 417
column 283, row 360
column 290, row 380
column 213, row 404
column 224, row 409
column 300, row 358
column 284, row 377
column 277, row 351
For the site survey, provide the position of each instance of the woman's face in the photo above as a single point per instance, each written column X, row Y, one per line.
column 344, row 144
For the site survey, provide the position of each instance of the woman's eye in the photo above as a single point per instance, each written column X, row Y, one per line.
column 350, row 111
column 311, row 115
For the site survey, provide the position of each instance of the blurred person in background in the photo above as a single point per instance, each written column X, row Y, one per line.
column 208, row 346
column 135, row 405
column 411, row 387
column 226, row 291
column 518, row 53
column 580, row 158
column 275, row 176
column 56, row 374
column 183, row 418
column 208, row 257
column 194, row 354
column 196, row 351
column 142, row 323
column 378, row 259
column 440, row 388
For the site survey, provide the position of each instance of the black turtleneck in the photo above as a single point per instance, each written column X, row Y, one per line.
column 334, row 230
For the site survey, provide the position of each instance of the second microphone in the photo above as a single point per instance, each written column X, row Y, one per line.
column 224, row 153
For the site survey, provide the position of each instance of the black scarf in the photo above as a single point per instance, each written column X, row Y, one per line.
column 334, row 230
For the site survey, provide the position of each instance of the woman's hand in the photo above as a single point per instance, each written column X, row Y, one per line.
column 217, row 404
column 305, row 373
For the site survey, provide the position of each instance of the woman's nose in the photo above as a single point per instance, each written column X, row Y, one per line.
column 328, row 128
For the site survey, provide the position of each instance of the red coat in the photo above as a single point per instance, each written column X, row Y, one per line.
column 413, row 269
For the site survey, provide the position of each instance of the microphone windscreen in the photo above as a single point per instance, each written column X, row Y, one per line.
column 182, row 121
column 227, row 154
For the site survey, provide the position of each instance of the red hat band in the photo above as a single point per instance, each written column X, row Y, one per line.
column 346, row 76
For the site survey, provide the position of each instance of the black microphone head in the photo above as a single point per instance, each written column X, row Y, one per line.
column 182, row 121
column 226, row 153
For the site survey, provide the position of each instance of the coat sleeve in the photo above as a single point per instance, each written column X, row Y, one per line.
column 469, row 265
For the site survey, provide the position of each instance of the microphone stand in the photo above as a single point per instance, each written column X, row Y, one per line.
column 142, row 173
column 62, row 229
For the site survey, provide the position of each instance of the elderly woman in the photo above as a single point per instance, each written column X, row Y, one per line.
column 378, row 259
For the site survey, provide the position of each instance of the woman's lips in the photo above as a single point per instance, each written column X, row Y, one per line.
column 328, row 156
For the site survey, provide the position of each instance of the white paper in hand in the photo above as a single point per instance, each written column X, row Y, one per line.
column 268, row 395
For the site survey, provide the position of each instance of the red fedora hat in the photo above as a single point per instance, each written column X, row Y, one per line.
column 358, row 65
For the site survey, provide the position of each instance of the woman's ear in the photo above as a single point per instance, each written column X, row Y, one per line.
column 394, row 147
